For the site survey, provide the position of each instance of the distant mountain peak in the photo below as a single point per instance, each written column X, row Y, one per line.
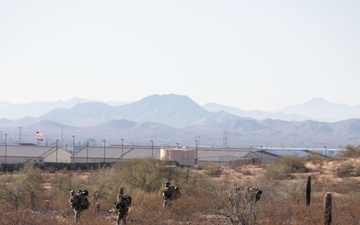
column 317, row 100
column 322, row 110
column 175, row 102
column 171, row 118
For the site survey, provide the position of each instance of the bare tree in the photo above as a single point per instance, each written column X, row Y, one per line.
column 235, row 209
column 14, row 189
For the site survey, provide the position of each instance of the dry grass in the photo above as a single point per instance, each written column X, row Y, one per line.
column 204, row 200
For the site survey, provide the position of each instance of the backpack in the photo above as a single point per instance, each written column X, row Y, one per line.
column 126, row 198
column 168, row 192
column 176, row 193
column 171, row 192
column 84, row 202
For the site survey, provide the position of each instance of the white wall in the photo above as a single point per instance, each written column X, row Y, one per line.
column 181, row 155
column 62, row 156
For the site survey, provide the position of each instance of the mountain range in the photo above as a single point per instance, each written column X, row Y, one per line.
column 171, row 119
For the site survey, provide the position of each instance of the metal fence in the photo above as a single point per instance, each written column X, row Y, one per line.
column 48, row 166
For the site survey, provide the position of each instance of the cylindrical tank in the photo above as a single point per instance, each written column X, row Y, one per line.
column 181, row 155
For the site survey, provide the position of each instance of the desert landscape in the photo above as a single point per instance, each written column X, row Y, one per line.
column 293, row 191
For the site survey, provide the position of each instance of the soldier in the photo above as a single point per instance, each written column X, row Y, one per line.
column 252, row 194
column 170, row 193
column 75, row 202
column 122, row 204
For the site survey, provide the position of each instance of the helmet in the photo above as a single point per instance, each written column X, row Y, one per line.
column 72, row 192
column 85, row 193
column 121, row 191
column 167, row 183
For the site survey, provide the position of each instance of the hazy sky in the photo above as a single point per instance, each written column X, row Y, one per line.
column 248, row 54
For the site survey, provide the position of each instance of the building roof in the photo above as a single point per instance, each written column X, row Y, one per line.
column 115, row 152
column 30, row 151
column 300, row 153
column 98, row 152
column 139, row 151
column 221, row 154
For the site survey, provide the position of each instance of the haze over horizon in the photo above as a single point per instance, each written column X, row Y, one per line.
column 262, row 55
column 117, row 103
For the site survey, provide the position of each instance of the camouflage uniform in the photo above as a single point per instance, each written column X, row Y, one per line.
column 252, row 194
column 122, row 206
column 75, row 201
column 167, row 194
column 170, row 193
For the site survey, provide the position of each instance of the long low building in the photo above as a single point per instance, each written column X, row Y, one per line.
column 182, row 155
column 108, row 154
column 113, row 153
column 33, row 153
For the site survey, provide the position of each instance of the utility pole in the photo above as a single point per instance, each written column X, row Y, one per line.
column 57, row 146
column 196, row 152
column 87, row 154
column 20, row 135
column 104, row 150
column 152, row 148
column 5, row 146
column 73, row 153
column 225, row 139
column 122, row 150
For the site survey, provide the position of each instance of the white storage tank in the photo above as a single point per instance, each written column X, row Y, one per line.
column 185, row 156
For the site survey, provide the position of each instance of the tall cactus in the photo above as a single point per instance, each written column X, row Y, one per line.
column 308, row 190
column 327, row 209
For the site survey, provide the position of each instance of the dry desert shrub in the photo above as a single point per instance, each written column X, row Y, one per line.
column 344, row 169
column 284, row 166
column 204, row 200
column 212, row 169
column 350, row 151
